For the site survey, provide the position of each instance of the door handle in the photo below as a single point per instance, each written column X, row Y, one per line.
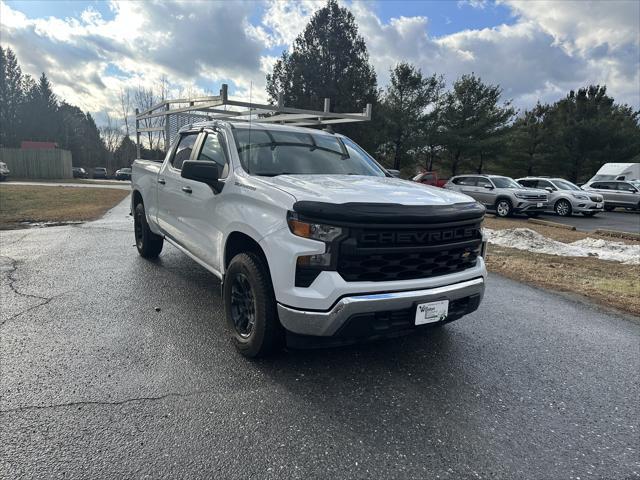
column 186, row 189
column 161, row 181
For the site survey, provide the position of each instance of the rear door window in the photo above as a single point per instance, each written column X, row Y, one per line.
column 184, row 149
column 465, row 181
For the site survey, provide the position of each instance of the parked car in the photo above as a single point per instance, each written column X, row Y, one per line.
column 79, row 172
column 566, row 198
column 123, row 174
column 312, row 239
column 100, row 172
column 502, row 194
column 616, row 194
column 430, row 178
column 4, row 171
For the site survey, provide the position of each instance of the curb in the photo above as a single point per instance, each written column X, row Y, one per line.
column 617, row 234
column 551, row 224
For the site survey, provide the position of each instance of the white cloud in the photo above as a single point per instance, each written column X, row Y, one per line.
column 549, row 48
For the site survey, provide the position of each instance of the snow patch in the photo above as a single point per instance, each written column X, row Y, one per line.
column 527, row 239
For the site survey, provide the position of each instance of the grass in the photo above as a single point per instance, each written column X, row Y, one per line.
column 23, row 203
column 607, row 283
column 67, row 180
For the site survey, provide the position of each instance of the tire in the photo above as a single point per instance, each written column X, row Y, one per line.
column 503, row 208
column 589, row 214
column 149, row 244
column 609, row 208
column 563, row 208
column 250, row 307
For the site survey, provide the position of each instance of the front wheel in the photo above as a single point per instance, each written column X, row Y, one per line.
column 503, row 208
column 563, row 208
column 149, row 244
column 250, row 307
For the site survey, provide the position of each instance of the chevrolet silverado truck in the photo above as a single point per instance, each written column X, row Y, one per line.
column 313, row 241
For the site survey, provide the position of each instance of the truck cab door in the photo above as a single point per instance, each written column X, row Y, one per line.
column 172, row 200
column 201, row 217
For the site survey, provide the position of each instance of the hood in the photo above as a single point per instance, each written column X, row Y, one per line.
column 535, row 191
column 338, row 189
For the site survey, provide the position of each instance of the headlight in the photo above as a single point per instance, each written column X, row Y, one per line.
column 314, row 231
column 579, row 196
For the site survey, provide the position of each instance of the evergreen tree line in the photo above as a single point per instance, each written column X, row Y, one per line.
column 29, row 110
column 418, row 124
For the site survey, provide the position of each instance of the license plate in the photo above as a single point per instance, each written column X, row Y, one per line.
column 598, row 205
column 540, row 204
column 432, row 312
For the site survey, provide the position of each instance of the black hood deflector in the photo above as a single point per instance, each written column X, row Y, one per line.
column 385, row 213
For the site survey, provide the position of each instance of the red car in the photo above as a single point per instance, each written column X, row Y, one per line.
column 430, row 178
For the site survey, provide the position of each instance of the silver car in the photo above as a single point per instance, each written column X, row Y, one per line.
column 502, row 194
column 565, row 197
column 616, row 194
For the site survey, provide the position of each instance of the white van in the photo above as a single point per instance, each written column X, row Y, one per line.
column 617, row 171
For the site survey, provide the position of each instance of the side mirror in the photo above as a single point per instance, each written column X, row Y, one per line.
column 549, row 189
column 488, row 187
column 202, row 171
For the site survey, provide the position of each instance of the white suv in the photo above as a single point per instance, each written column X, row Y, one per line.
column 311, row 238
column 565, row 197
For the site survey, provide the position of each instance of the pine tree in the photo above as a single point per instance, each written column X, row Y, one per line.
column 11, row 89
column 329, row 60
column 404, row 107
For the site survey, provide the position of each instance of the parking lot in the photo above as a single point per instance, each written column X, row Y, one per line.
column 113, row 366
column 619, row 220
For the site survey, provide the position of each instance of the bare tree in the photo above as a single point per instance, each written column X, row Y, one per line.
column 144, row 99
column 111, row 135
column 125, row 108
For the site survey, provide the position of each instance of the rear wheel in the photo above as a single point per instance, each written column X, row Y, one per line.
column 563, row 208
column 250, row 307
column 149, row 244
column 503, row 208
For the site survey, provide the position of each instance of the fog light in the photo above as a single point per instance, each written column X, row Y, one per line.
column 317, row 260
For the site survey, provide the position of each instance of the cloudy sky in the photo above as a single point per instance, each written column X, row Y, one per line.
column 534, row 49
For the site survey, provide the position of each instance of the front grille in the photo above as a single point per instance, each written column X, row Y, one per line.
column 534, row 196
column 389, row 254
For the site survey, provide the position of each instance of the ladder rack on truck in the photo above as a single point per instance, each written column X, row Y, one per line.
column 162, row 118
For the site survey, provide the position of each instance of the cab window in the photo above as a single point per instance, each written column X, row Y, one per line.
column 213, row 150
column 183, row 150
column 626, row 187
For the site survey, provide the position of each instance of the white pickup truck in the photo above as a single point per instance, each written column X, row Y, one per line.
column 313, row 241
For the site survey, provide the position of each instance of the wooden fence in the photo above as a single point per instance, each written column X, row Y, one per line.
column 49, row 163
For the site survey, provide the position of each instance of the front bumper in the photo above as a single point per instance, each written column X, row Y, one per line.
column 464, row 297
column 579, row 206
column 530, row 206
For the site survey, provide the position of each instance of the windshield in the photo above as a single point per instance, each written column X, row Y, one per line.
column 565, row 185
column 280, row 152
column 505, row 182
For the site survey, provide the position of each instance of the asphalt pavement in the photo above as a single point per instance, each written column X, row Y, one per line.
column 620, row 221
column 116, row 367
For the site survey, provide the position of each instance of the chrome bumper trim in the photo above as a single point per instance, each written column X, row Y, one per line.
column 326, row 323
